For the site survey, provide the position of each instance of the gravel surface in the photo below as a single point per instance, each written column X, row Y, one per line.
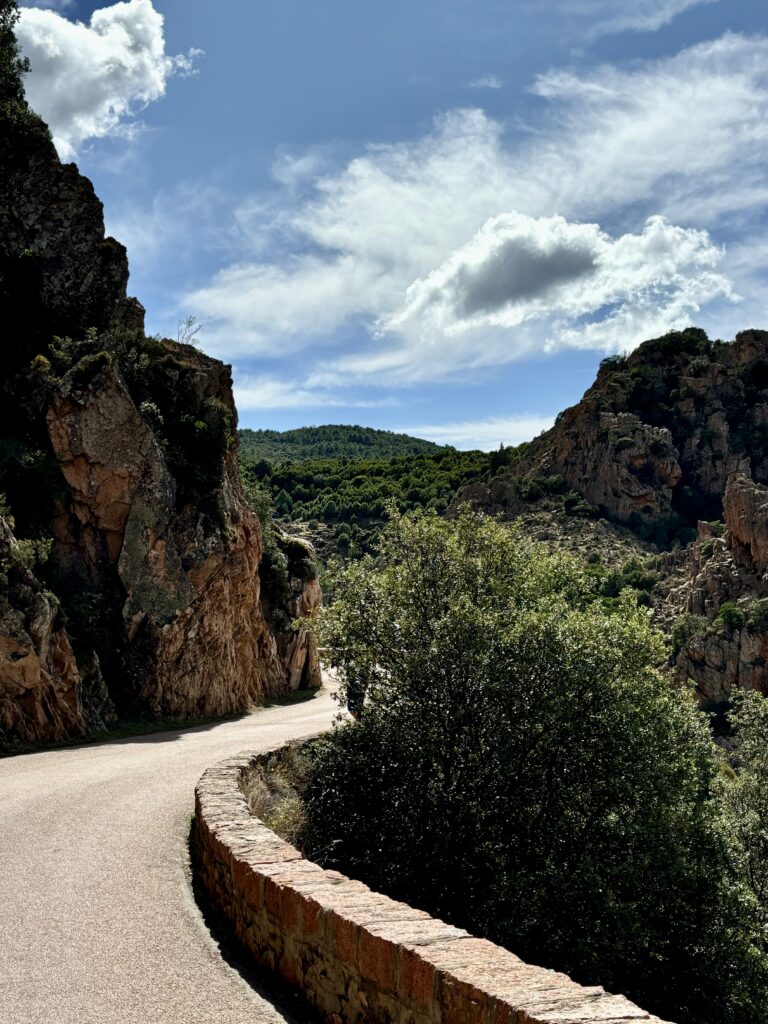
column 98, row 924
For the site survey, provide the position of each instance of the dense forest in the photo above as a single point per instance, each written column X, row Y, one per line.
column 343, row 499
column 331, row 441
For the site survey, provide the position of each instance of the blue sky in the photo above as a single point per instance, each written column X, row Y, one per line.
column 424, row 215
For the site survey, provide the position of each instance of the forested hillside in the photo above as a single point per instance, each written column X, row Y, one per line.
column 342, row 501
column 331, row 441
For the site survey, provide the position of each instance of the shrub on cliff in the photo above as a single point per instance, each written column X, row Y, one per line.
column 731, row 616
column 522, row 768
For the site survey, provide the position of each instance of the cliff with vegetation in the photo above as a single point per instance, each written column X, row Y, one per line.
column 130, row 561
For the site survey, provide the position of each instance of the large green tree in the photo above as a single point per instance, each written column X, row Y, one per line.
column 521, row 767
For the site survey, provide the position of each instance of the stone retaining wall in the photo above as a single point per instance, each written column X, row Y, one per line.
column 359, row 956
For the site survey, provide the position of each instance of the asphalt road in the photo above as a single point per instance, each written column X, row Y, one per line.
column 98, row 924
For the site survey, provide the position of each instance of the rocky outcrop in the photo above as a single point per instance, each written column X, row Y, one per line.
column 724, row 651
column 121, row 450
column 674, row 433
column 746, row 516
column 44, row 693
column 656, row 438
column 614, row 460
column 56, row 262
column 288, row 605
column 190, row 635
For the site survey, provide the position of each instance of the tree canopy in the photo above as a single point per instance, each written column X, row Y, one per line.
column 12, row 65
column 522, row 768
column 331, row 441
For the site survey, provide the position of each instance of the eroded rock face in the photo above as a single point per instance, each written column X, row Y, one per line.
column 193, row 639
column 44, row 693
column 746, row 516
column 659, row 433
column 614, row 460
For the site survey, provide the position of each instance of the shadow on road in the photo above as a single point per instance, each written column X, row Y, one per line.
column 270, row 987
column 158, row 730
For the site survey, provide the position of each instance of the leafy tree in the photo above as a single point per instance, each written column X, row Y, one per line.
column 747, row 796
column 685, row 628
column 12, row 65
column 521, row 767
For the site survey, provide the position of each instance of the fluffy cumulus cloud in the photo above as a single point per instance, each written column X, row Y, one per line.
column 555, row 283
column 88, row 80
column 446, row 252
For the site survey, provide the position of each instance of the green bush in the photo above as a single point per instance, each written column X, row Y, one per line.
column 731, row 616
column 531, row 490
column 684, row 629
column 84, row 371
column 521, row 768
column 658, row 447
column 633, row 574
column 585, row 510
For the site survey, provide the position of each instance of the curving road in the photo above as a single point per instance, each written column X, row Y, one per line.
column 97, row 920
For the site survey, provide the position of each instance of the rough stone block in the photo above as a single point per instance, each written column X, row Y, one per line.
column 416, row 979
column 343, row 933
column 377, row 959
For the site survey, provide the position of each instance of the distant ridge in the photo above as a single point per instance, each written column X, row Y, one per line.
column 333, row 440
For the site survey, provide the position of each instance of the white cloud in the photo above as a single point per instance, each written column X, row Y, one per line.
column 638, row 16
column 487, row 82
column 87, row 81
column 596, row 18
column 554, row 284
column 485, row 434
column 685, row 137
column 253, row 393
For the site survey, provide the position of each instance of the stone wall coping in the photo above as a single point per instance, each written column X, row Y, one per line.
column 356, row 954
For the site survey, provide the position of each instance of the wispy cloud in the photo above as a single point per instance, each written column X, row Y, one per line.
column 595, row 18
column 614, row 16
column 88, row 81
column 57, row 5
column 487, row 82
column 253, row 393
column 485, row 434
column 435, row 247
column 182, row 219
